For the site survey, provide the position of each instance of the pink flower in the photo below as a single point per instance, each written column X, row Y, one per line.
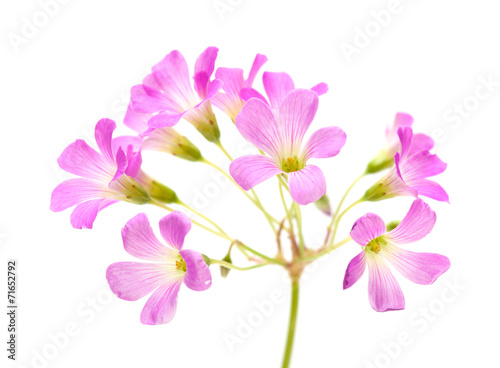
column 166, row 95
column 171, row 266
column 380, row 246
column 385, row 158
column 281, row 136
column 230, row 100
column 413, row 164
column 277, row 86
column 105, row 178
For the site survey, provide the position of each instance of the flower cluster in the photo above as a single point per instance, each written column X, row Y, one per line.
column 277, row 125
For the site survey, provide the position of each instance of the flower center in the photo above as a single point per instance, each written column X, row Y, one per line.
column 181, row 264
column 291, row 164
column 376, row 244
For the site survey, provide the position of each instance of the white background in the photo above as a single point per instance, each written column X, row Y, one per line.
column 426, row 60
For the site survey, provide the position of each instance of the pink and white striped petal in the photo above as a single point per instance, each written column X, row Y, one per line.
column 384, row 292
column 73, row 191
column 366, row 228
column 355, row 270
column 248, row 171
column 320, row 88
column 431, row 189
column 84, row 213
column 103, row 136
column 257, row 124
column 277, row 86
column 420, row 268
column 307, row 185
column 296, row 114
column 420, row 142
column 133, row 280
column 256, row 65
column 140, row 241
column 417, row 223
column 203, row 69
column 198, row 276
column 161, row 305
column 324, row 143
column 174, row 228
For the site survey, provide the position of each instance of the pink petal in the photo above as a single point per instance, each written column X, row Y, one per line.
column 136, row 120
column 277, row 86
column 233, row 81
column 134, row 162
column 161, row 305
column 121, row 163
column 125, row 141
column 402, row 119
column 74, row 191
column 417, row 223
column 248, row 171
column 325, row 142
column 103, row 136
column 367, row 228
column 384, row 292
column 140, row 241
column 355, row 270
column 257, row 64
column 173, row 74
column 421, row 268
column 405, row 137
column 257, row 124
column 82, row 160
column 430, row 189
column 420, row 142
column 84, row 214
column 420, row 166
column 296, row 114
column 174, row 228
column 320, row 88
column 165, row 119
column 248, row 93
column 133, row 281
column 145, row 100
column 197, row 277
column 203, row 70
column 307, row 185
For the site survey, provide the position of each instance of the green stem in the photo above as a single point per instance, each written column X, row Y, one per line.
column 202, row 216
column 292, row 324
column 255, row 201
column 287, row 211
column 344, row 198
column 298, row 215
column 233, row 267
column 338, row 221
column 269, row 259
column 326, row 251
column 221, row 147
column 165, row 207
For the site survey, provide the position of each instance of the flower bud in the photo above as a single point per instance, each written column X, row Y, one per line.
column 203, row 119
column 170, row 141
column 383, row 160
column 323, row 204
column 392, row 225
column 224, row 271
column 156, row 189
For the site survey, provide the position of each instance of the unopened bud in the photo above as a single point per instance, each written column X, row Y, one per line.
column 392, row 225
column 323, row 204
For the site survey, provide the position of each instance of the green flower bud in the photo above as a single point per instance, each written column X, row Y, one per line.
column 223, row 270
column 392, row 225
column 323, row 204
column 380, row 162
column 170, row 141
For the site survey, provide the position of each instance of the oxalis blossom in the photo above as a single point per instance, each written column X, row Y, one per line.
column 106, row 177
column 385, row 158
column 171, row 266
column 167, row 95
column 380, row 246
column 234, row 82
column 413, row 164
column 277, row 85
column 280, row 136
